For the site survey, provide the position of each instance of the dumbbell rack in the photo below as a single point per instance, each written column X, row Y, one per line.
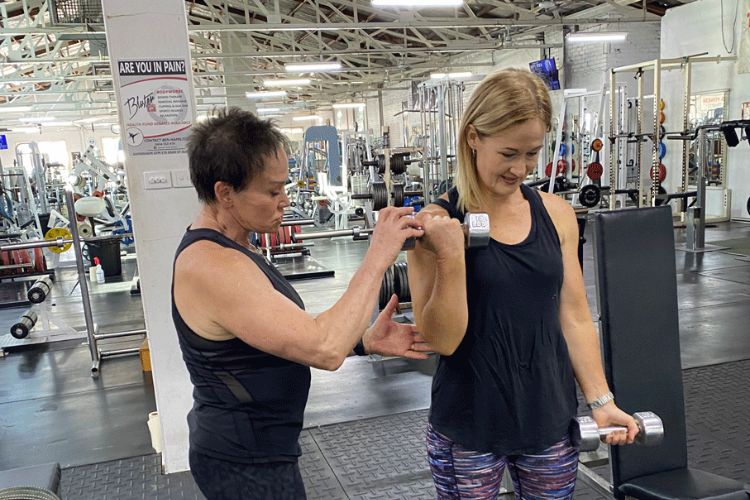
column 92, row 329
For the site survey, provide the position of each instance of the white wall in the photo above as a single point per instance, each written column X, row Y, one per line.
column 693, row 29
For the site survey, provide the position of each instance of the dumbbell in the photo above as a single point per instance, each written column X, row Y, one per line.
column 586, row 433
column 476, row 229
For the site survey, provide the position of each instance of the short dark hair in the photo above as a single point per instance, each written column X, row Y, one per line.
column 230, row 146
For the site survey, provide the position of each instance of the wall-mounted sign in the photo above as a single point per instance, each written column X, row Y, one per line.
column 155, row 105
column 3, row 142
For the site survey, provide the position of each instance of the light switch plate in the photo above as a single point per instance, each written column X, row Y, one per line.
column 158, row 179
column 181, row 178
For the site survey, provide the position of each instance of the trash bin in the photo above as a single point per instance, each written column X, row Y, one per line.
column 108, row 251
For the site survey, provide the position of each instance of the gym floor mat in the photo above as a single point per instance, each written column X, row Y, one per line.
column 384, row 457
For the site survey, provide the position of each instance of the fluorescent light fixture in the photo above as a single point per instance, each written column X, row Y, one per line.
column 349, row 105
column 291, row 131
column 306, row 118
column 267, row 93
column 443, row 76
column 416, row 4
column 575, row 92
column 299, row 82
column 38, row 119
column 57, row 124
column 612, row 36
column 14, row 109
column 312, row 67
column 91, row 120
column 25, row 130
column 265, row 111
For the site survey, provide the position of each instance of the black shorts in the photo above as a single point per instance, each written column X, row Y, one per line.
column 225, row 480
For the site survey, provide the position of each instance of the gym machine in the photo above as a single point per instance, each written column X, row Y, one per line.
column 92, row 330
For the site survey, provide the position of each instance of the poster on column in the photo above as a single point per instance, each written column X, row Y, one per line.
column 155, row 105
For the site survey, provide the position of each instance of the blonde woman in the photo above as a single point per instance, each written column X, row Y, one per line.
column 511, row 320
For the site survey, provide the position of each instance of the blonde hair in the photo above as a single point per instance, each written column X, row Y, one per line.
column 503, row 99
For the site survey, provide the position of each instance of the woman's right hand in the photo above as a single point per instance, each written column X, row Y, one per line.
column 393, row 228
column 443, row 235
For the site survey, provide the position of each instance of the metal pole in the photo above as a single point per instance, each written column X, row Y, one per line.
column 129, row 333
column 700, row 203
column 83, row 281
column 441, row 132
column 639, row 146
column 612, row 138
column 685, row 171
column 655, row 146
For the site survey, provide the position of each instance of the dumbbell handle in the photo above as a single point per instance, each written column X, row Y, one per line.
column 603, row 431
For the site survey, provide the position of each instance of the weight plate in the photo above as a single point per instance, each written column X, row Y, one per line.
column 590, row 195
column 398, row 194
column 563, row 149
column 662, row 105
column 597, row 145
column 662, row 173
column 398, row 165
column 379, row 195
column 662, row 117
column 59, row 232
column 595, row 170
column 662, row 150
column 661, row 198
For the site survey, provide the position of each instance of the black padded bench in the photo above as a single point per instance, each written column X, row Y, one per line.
column 637, row 294
column 45, row 477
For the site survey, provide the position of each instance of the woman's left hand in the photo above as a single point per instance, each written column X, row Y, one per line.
column 388, row 338
column 609, row 415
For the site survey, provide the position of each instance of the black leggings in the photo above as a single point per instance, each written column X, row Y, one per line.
column 224, row 480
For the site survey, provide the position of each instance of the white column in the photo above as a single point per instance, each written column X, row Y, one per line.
column 148, row 47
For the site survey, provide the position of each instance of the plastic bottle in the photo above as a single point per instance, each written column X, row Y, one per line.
column 99, row 270
column 92, row 274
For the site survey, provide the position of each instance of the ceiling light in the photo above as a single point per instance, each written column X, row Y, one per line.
column 25, row 130
column 91, row 120
column 263, row 111
column 57, row 124
column 299, row 82
column 349, row 105
column 290, row 131
column 306, row 118
column 416, row 4
column 612, row 36
column 443, row 76
column 38, row 119
column 268, row 93
column 14, row 109
column 312, row 67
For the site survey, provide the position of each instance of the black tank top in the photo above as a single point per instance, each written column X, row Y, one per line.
column 248, row 405
column 509, row 387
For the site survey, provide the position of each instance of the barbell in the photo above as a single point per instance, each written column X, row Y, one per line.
column 476, row 228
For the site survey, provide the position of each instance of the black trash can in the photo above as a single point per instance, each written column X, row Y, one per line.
column 108, row 251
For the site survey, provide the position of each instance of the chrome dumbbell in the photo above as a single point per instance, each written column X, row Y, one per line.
column 586, row 434
column 476, row 227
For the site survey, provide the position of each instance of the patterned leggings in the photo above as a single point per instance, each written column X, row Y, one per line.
column 461, row 474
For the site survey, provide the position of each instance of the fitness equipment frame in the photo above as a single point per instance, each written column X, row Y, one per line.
column 97, row 355
column 656, row 66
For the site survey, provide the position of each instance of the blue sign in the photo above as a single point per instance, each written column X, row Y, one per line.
column 3, row 142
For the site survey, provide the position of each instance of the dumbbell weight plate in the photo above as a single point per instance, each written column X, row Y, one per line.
column 398, row 194
column 379, row 195
column 585, row 436
column 590, row 195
